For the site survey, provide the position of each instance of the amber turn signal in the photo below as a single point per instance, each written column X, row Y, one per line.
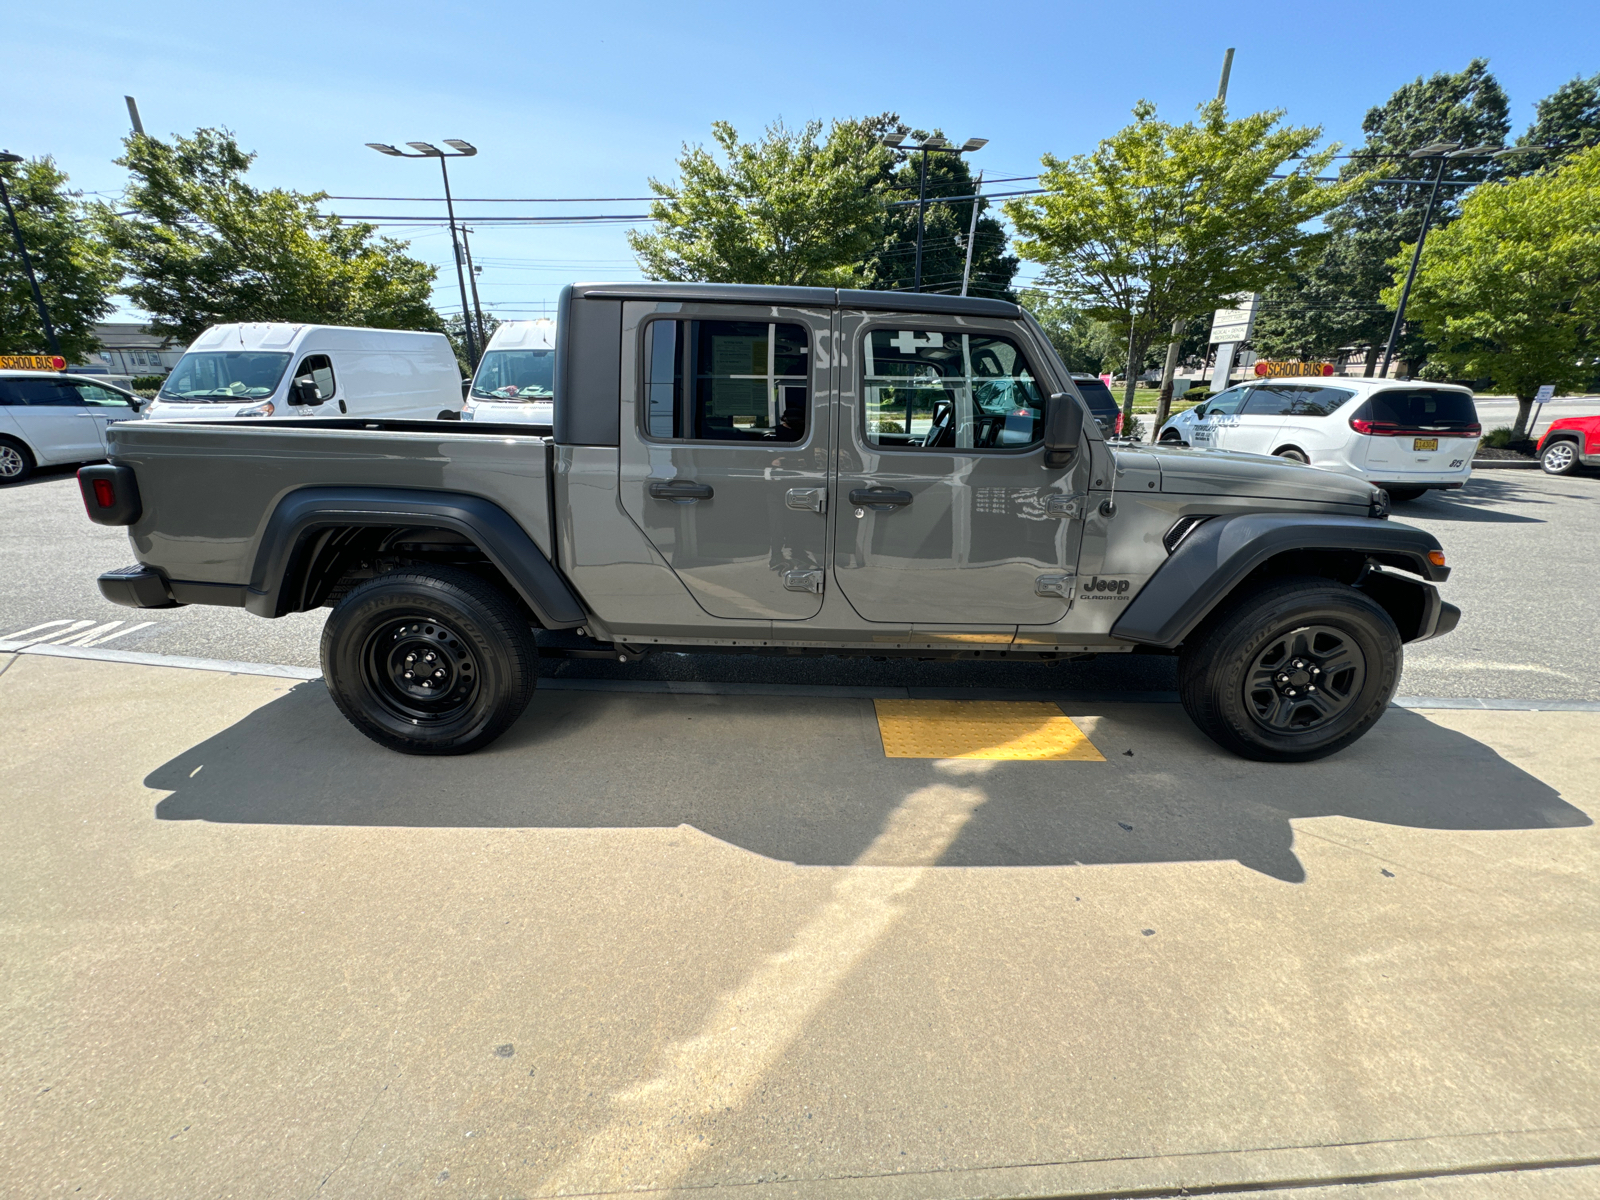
column 1436, row 557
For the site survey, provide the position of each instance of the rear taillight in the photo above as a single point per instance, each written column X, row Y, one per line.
column 1373, row 428
column 104, row 494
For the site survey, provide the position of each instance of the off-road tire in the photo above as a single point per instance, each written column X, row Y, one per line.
column 1223, row 689
column 16, row 464
column 1560, row 457
column 483, row 660
column 1293, row 455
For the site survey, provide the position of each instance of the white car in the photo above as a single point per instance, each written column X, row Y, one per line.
column 515, row 380
column 47, row 419
column 1405, row 436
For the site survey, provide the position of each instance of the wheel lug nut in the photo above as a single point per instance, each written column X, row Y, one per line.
column 439, row 674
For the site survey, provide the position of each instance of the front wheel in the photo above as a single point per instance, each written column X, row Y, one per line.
column 1560, row 458
column 429, row 660
column 1294, row 670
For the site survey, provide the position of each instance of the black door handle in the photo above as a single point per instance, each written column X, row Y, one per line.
column 680, row 489
column 879, row 498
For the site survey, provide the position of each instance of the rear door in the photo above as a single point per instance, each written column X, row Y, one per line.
column 105, row 405
column 54, row 419
column 946, row 513
column 1254, row 428
column 725, row 450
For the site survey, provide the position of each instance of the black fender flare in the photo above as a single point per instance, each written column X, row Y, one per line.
column 1220, row 553
column 494, row 531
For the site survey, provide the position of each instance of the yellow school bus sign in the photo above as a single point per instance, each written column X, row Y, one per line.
column 32, row 362
column 1279, row 370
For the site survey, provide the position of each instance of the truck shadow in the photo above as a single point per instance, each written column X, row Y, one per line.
column 1477, row 502
column 805, row 780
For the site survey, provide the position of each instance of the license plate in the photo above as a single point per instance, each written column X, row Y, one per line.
column 1424, row 443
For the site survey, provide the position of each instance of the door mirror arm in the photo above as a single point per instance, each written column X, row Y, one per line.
column 1063, row 428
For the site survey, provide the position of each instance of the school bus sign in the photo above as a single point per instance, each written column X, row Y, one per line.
column 1279, row 370
column 32, row 362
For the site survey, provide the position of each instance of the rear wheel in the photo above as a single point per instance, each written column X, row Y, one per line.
column 1292, row 671
column 1560, row 458
column 1398, row 494
column 1294, row 455
column 429, row 660
column 16, row 464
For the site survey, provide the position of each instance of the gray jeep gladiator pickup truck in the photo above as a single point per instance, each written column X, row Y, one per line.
column 783, row 471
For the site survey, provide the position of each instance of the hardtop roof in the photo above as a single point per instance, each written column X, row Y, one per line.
column 802, row 297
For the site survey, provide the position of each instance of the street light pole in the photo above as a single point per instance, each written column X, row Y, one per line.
column 932, row 145
column 463, row 150
column 7, row 158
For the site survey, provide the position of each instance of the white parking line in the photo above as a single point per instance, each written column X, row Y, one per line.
column 101, row 641
column 84, row 638
column 22, row 633
column 72, row 627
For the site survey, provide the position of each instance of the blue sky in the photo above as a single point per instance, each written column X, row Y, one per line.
column 590, row 100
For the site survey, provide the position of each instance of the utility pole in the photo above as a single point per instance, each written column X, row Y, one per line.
column 922, row 208
column 6, row 159
column 133, row 116
column 472, row 276
column 972, row 234
column 1170, row 369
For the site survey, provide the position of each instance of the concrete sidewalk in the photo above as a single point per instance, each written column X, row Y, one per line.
column 673, row 942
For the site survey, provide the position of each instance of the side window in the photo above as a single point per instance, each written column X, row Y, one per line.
column 41, row 393
column 102, row 397
column 964, row 391
column 1227, row 403
column 1288, row 400
column 316, row 369
column 726, row 381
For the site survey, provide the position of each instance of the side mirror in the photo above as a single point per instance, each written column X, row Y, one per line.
column 1063, row 428
column 304, row 391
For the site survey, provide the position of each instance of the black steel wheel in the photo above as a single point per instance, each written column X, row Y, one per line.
column 1291, row 671
column 16, row 464
column 1560, row 457
column 429, row 660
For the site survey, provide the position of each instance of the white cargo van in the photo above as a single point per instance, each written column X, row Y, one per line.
column 277, row 371
column 515, row 378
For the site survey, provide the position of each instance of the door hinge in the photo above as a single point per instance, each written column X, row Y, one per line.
column 811, row 499
column 1058, row 584
column 1070, row 507
column 803, row 581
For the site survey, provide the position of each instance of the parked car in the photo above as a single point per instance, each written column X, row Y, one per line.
column 1570, row 443
column 711, row 479
column 1102, row 404
column 48, row 419
column 515, row 380
column 1404, row 436
column 272, row 371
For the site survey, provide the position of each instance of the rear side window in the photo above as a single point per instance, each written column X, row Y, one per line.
column 39, row 393
column 962, row 391
column 1420, row 408
column 726, row 381
column 1284, row 400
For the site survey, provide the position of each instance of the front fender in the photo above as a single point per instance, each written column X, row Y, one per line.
column 1218, row 555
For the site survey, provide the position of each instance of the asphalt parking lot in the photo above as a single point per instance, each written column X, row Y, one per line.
column 1520, row 542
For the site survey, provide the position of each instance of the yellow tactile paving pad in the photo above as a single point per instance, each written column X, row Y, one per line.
column 1002, row 729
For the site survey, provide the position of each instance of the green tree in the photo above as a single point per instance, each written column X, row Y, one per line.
column 1511, row 289
column 1334, row 297
column 74, row 268
column 791, row 208
column 892, row 263
column 1568, row 120
column 1163, row 222
column 1083, row 343
column 203, row 247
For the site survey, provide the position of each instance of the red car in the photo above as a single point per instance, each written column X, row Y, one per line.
column 1570, row 443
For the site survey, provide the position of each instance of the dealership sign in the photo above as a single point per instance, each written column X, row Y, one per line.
column 32, row 362
column 1277, row 370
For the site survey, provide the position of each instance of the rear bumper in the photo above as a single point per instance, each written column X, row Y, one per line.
column 1427, row 484
column 137, row 587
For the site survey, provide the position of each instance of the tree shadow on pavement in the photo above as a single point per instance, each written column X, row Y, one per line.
column 805, row 780
column 1477, row 502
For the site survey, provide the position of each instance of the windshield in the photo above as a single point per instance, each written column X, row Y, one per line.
column 521, row 375
column 225, row 375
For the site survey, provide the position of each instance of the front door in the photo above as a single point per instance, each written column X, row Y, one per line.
column 725, row 450
column 1222, row 414
column 105, row 406
column 946, row 513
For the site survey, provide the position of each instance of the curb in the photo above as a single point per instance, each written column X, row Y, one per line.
column 676, row 687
